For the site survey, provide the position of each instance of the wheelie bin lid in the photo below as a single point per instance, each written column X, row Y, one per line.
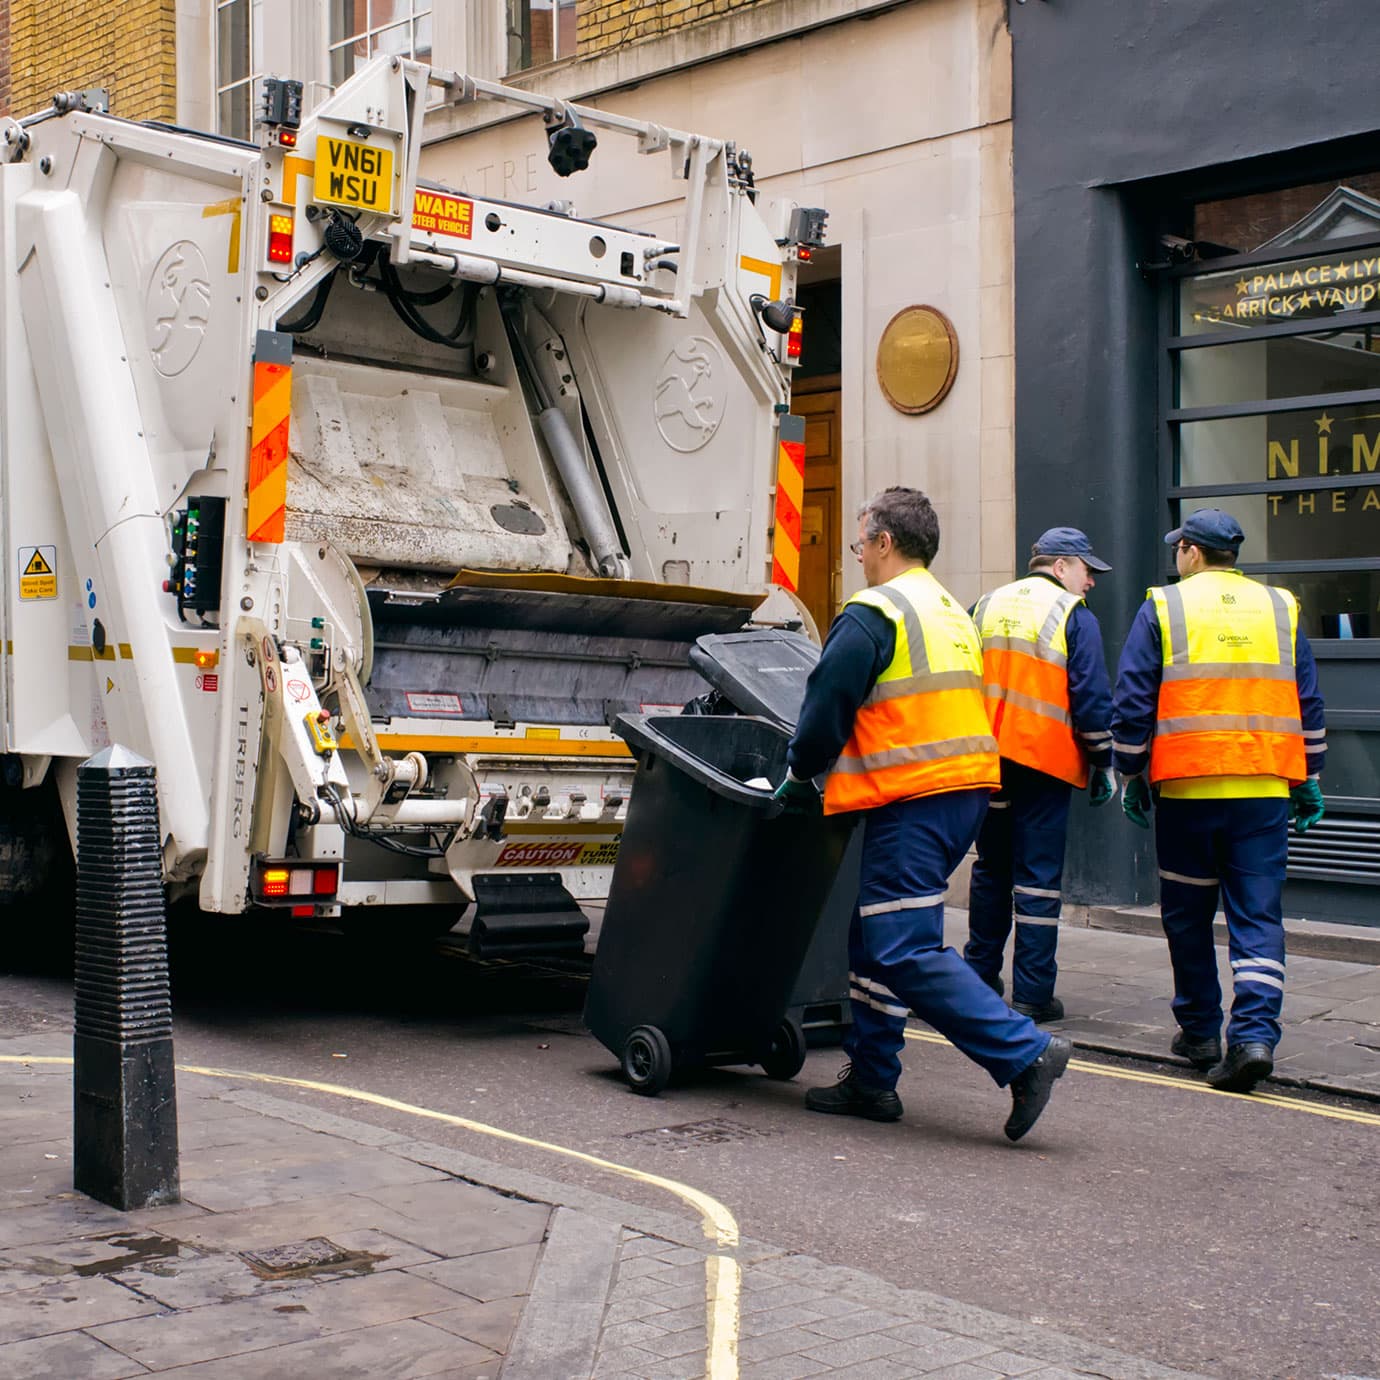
column 759, row 671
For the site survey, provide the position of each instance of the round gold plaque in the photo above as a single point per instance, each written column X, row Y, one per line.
column 917, row 359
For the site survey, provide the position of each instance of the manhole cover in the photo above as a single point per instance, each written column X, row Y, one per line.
column 306, row 1258
column 715, row 1131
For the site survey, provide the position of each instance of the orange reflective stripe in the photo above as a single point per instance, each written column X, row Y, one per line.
column 1184, row 699
column 1034, row 741
column 268, row 453
column 1176, row 756
column 866, row 791
column 790, row 501
column 924, row 718
column 1032, row 676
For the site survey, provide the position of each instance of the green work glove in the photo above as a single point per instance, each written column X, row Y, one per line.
column 798, row 797
column 1306, row 805
column 1102, row 787
column 1135, row 800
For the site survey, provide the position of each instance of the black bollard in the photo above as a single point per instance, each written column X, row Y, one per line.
column 124, row 1093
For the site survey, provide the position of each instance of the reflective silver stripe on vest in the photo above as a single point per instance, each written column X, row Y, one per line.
column 1235, row 723
column 924, row 752
column 1029, row 702
column 1002, row 642
column 979, row 611
column 1230, row 670
column 1063, row 605
column 1178, row 626
column 922, row 684
column 915, row 634
column 904, row 903
column 1282, row 621
column 1315, row 735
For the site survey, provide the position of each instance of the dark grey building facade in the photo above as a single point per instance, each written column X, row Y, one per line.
column 1197, row 279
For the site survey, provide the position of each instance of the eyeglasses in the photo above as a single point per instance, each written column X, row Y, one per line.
column 1184, row 546
column 856, row 547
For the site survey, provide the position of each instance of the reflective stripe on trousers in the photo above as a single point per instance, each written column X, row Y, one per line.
column 1017, row 875
column 1238, row 849
column 897, row 958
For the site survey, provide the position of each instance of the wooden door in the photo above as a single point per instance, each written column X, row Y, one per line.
column 821, row 532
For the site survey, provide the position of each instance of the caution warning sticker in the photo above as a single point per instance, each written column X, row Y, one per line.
column 442, row 215
column 560, row 853
column 38, row 572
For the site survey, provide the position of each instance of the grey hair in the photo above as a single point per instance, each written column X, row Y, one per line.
column 909, row 516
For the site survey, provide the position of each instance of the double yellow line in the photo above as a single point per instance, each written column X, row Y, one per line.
column 1167, row 1080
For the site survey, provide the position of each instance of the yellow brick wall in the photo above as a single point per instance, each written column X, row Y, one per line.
column 608, row 24
column 4, row 57
column 126, row 46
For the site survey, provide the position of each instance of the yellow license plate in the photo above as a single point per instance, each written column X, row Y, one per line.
column 351, row 174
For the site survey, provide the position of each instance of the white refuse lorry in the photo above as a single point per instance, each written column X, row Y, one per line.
column 360, row 507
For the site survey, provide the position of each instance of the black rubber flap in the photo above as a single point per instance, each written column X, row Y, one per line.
column 762, row 671
column 525, row 914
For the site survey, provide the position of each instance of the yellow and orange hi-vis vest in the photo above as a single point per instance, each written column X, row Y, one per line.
column 1229, row 699
column 923, row 728
column 1025, row 654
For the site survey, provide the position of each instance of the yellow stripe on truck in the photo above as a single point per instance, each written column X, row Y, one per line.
column 496, row 746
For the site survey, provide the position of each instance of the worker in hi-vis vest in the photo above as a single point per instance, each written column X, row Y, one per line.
column 1050, row 703
column 894, row 715
column 1217, row 713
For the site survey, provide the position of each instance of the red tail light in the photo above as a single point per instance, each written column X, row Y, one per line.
column 795, row 337
column 280, row 239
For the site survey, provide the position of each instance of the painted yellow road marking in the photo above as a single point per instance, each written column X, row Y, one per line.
column 1167, row 1080
column 723, row 1279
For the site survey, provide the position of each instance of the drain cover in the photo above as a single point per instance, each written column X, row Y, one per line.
column 303, row 1258
column 715, row 1131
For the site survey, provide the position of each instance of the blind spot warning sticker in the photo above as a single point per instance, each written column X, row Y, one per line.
column 38, row 572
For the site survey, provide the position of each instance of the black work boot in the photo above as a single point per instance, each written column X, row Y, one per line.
column 1052, row 1010
column 1030, row 1089
column 852, row 1097
column 1244, row 1067
column 1202, row 1054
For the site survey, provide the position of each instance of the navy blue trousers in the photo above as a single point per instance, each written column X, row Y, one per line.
column 1238, row 849
column 897, row 958
column 1020, row 868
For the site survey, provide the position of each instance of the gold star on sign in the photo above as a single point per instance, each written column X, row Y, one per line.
column 1341, row 270
column 1241, row 287
column 1324, row 425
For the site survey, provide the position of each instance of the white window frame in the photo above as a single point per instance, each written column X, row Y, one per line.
column 415, row 12
column 254, row 15
column 513, row 34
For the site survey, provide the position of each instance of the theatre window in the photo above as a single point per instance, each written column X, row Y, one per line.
column 1273, row 374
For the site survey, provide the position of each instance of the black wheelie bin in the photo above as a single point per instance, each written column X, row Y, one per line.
column 714, row 901
column 763, row 671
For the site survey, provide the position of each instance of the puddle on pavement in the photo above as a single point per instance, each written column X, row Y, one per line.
column 138, row 1252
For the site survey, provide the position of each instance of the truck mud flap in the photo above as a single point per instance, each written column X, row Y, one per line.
column 525, row 915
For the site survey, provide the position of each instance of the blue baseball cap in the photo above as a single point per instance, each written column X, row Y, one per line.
column 1209, row 527
column 1068, row 541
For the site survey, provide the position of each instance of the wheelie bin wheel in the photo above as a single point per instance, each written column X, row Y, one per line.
column 786, row 1057
column 646, row 1060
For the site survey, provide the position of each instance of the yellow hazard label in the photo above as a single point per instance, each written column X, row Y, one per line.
column 351, row 174
column 38, row 572
column 545, row 733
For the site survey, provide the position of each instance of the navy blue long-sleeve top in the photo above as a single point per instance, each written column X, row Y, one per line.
column 1138, row 689
column 859, row 648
